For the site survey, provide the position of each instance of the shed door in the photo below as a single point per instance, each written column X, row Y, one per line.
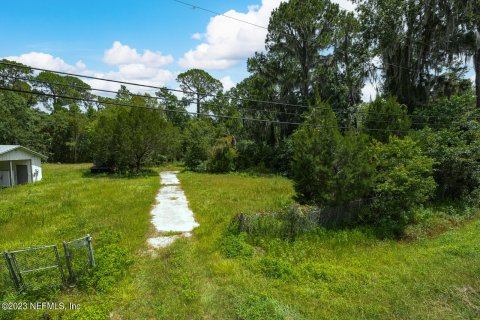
column 22, row 174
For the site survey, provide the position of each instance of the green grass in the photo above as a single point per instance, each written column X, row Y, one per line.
column 346, row 274
column 67, row 205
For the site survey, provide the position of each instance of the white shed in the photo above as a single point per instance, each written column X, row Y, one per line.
column 19, row 165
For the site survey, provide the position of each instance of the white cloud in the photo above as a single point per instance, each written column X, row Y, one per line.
column 227, row 83
column 120, row 54
column 145, row 71
column 197, row 36
column 47, row 61
column 228, row 42
column 143, row 68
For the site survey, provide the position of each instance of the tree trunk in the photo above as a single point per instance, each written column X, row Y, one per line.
column 198, row 105
column 476, row 62
column 138, row 164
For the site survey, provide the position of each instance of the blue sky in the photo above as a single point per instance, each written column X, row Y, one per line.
column 146, row 41
column 84, row 30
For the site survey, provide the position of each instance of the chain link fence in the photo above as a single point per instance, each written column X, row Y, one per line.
column 35, row 268
column 41, row 267
column 78, row 257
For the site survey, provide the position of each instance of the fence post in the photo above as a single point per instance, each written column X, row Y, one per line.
column 241, row 224
column 22, row 285
column 90, row 250
column 59, row 263
column 68, row 263
column 11, row 271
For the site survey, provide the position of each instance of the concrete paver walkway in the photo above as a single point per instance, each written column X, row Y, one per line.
column 171, row 213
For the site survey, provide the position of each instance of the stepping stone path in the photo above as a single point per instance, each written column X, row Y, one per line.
column 171, row 212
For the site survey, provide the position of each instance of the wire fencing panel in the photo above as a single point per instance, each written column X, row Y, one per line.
column 35, row 268
column 5, row 277
column 41, row 267
column 297, row 219
column 79, row 257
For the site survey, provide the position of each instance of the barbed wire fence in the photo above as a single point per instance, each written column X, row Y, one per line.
column 44, row 267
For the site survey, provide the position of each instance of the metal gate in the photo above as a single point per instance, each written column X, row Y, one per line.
column 35, row 268
column 40, row 267
column 78, row 257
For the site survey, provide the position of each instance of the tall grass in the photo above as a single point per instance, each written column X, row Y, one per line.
column 321, row 274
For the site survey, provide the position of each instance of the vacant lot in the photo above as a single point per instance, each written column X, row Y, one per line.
column 213, row 275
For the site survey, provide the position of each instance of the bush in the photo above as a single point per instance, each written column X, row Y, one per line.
column 247, row 155
column 276, row 268
column 456, row 152
column 389, row 116
column 234, row 246
column 329, row 169
column 265, row 158
column 440, row 113
column 282, row 158
column 313, row 156
column 403, row 181
column 129, row 139
column 208, row 149
column 198, row 137
column 222, row 156
column 454, row 144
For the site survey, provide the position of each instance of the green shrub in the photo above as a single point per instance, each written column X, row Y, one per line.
column 454, row 144
column 313, row 157
column 456, row 152
column 389, row 116
column 403, row 181
column 234, row 246
column 444, row 112
column 329, row 169
column 198, row 137
column 222, row 156
column 129, row 139
column 282, row 157
column 263, row 157
column 247, row 154
column 276, row 268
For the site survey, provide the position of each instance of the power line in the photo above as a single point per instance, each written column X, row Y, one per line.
column 212, row 95
column 165, row 99
column 152, row 87
column 139, row 95
column 193, row 6
column 197, row 113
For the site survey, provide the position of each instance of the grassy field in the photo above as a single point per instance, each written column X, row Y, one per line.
column 346, row 274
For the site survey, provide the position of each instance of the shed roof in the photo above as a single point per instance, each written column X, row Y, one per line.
column 8, row 148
